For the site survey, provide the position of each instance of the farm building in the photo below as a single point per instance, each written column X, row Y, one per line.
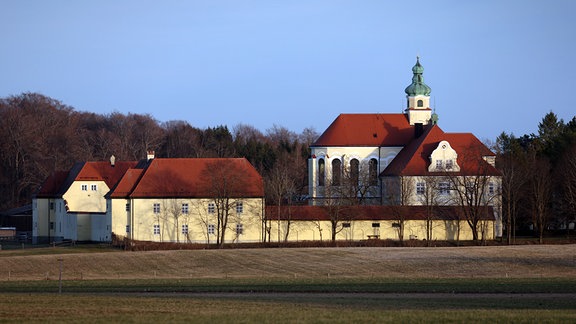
column 189, row 200
column 168, row 200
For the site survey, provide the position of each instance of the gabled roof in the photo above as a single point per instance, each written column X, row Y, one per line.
column 52, row 184
column 127, row 183
column 414, row 158
column 190, row 178
column 60, row 181
column 367, row 130
column 371, row 213
column 104, row 171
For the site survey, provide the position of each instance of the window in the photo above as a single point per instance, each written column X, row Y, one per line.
column 345, row 225
column 156, row 208
column 239, row 207
column 51, row 225
column 185, row 229
column 211, row 208
column 420, row 188
column 438, row 164
column 94, row 187
column 375, row 224
column 444, row 188
column 336, row 172
column 321, row 172
column 373, row 170
column 156, row 229
column 239, row 229
column 470, row 188
column 184, row 208
column 127, row 206
column 51, row 206
column 127, row 228
column 491, row 188
column 420, row 103
column 84, row 187
column 211, row 229
column 449, row 164
column 354, row 171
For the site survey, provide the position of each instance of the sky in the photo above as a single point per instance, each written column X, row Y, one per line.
column 494, row 65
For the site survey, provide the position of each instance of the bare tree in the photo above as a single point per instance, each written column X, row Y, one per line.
column 226, row 186
column 512, row 164
column 281, row 186
column 398, row 192
column 568, row 170
column 432, row 191
column 474, row 188
column 540, row 193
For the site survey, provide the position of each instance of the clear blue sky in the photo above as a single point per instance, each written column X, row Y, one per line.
column 493, row 65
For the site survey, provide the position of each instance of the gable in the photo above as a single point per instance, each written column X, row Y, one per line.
column 104, row 171
column 415, row 158
column 444, row 157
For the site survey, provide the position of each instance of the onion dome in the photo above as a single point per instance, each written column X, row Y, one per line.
column 418, row 87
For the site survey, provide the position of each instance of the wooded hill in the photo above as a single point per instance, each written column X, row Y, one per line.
column 39, row 135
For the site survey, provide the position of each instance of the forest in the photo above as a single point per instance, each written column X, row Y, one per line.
column 39, row 135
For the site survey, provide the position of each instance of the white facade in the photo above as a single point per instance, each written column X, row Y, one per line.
column 320, row 165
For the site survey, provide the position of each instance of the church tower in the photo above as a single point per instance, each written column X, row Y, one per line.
column 418, row 95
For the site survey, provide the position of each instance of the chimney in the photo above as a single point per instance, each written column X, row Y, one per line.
column 149, row 155
column 418, row 130
column 112, row 160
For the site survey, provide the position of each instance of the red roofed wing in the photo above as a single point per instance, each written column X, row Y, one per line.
column 191, row 178
column 367, row 130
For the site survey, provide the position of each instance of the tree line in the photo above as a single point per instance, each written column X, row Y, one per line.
column 40, row 135
column 539, row 177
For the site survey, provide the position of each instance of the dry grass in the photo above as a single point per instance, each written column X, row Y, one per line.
column 531, row 261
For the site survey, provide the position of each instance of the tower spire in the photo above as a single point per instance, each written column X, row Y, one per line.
column 418, row 95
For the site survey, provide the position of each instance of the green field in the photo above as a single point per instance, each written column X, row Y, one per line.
column 531, row 284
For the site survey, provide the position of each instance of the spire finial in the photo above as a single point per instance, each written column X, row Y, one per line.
column 418, row 87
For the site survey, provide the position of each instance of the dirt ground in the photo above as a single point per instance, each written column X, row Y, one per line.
column 520, row 261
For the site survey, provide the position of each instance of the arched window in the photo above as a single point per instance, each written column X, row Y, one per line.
column 420, row 103
column 336, row 172
column 321, row 172
column 373, row 172
column 354, row 171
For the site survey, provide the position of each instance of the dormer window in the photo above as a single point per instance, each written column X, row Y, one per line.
column 449, row 164
column 438, row 164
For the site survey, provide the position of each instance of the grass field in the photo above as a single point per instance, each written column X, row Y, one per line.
column 317, row 285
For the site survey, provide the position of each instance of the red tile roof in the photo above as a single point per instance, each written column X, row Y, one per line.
column 192, row 178
column 127, row 183
column 367, row 130
column 414, row 159
column 104, row 171
column 368, row 213
column 52, row 184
